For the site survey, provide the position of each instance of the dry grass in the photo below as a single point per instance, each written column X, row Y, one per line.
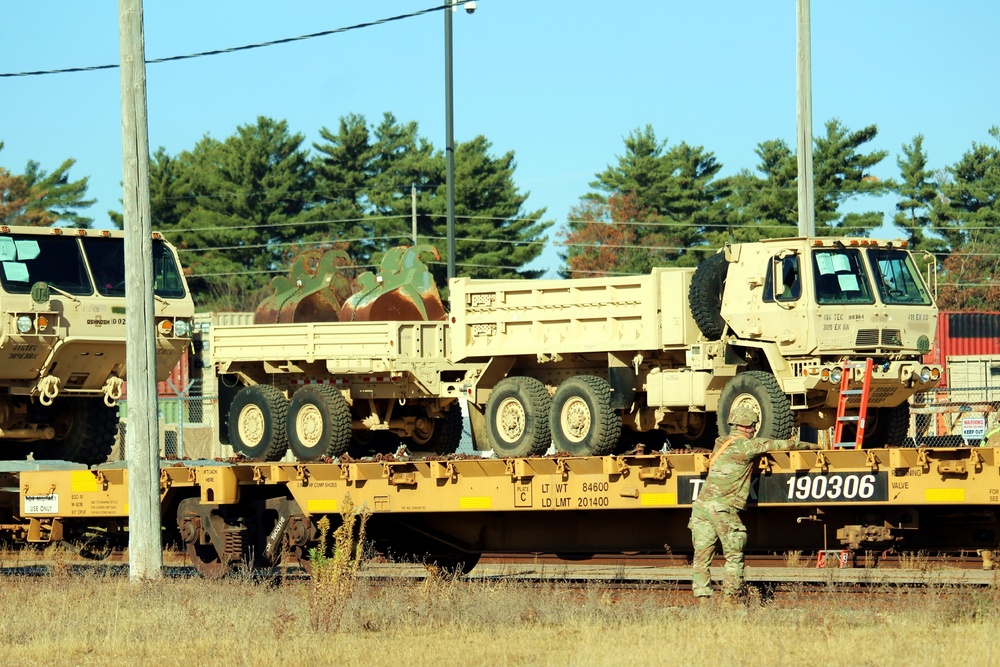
column 66, row 619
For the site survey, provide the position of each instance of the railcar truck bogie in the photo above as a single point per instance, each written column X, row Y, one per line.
column 576, row 363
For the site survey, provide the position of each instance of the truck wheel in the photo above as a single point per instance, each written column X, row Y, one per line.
column 442, row 435
column 257, row 423
column 884, row 427
column 582, row 420
column 319, row 423
column 517, row 417
column 85, row 432
column 705, row 295
column 759, row 391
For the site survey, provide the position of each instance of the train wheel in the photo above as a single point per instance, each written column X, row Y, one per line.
column 582, row 420
column 204, row 556
column 319, row 423
column 517, row 417
column 257, row 422
column 442, row 435
column 758, row 391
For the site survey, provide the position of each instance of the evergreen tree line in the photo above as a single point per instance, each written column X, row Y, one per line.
column 239, row 209
column 663, row 205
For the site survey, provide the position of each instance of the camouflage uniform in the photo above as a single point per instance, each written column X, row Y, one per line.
column 715, row 513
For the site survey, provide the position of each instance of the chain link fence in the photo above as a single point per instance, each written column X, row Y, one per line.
column 188, row 425
column 956, row 417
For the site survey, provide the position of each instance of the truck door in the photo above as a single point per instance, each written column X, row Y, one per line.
column 782, row 314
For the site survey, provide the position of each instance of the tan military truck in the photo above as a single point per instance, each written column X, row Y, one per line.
column 62, row 338
column 578, row 363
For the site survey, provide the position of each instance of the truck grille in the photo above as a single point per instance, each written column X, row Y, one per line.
column 892, row 337
column 867, row 337
column 870, row 337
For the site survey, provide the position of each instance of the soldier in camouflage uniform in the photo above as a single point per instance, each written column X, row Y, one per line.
column 715, row 513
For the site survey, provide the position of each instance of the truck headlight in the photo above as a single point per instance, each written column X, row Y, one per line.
column 836, row 375
column 24, row 324
column 925, row 374
column 182, row 328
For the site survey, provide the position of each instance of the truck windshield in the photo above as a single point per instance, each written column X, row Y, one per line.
column 840, row 277
column 896, row 276
column 107, row 263
column 57, row 260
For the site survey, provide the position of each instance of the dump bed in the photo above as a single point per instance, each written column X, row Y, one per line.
column 344, row 347
column 619, row 313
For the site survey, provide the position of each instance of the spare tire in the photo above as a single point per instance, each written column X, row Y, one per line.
column 705, row 295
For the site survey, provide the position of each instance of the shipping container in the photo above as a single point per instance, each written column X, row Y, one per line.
column 964, row 335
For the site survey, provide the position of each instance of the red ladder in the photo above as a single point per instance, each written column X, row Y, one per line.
column 845, row 394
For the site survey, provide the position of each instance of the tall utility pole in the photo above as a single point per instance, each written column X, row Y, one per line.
column 803, row 71
column 142, row 450
column 449, row 138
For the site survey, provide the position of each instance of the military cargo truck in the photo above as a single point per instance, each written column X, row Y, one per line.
column 587, row 364
column 62, row 338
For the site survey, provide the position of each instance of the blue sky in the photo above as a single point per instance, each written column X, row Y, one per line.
column 559, row 83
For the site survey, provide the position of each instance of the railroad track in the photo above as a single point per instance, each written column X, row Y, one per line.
column 655, row 572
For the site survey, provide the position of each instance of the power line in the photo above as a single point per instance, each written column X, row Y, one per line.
column 235, row 49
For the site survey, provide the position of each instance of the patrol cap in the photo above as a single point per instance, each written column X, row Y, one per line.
column 743, row 417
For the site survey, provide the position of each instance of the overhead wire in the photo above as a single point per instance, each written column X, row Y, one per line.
column 236, row 49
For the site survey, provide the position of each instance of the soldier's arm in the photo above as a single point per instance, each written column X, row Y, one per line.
column 784, row 445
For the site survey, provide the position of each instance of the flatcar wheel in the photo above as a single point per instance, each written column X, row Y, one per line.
column 300, row 555
column 206, row 560
column 204, row 554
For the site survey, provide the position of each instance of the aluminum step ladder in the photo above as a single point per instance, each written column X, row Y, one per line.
column 845, row 394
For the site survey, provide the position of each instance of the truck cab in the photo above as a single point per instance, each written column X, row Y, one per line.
column 799, row 308
column 63, row 336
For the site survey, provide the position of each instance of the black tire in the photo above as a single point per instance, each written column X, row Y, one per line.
column 582, row 421
column 884, row 427
column 705, row 295
column 759, row 391
column 85, row 432
column 442, row 435
column 517, row 417
column 318, row 423
column 257, row 420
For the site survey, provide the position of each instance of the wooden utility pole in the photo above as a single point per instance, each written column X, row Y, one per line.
column 142, row 451
column 803, row 71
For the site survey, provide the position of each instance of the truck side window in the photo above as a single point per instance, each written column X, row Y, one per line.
column 790, row 288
